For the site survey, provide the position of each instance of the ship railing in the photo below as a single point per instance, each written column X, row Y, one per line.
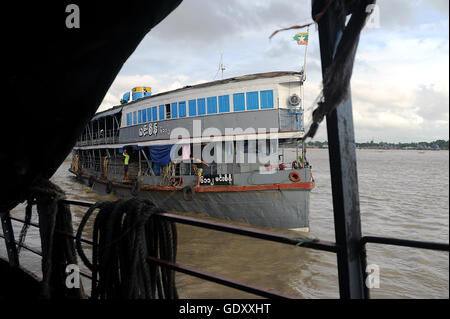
column 290, row 119
column 115, row 168
column 98, row 138
column 262, row 234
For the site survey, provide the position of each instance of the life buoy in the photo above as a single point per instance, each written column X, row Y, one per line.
column 91, row 181
column 294, row 177
column 109, row 187
column 188, row 192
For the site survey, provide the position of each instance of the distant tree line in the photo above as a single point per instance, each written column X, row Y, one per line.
column 435, row 145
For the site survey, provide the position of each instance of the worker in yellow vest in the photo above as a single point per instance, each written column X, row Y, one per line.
column 126, row 161
column 198, row 169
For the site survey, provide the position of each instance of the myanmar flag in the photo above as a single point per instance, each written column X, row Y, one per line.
column 301, row 38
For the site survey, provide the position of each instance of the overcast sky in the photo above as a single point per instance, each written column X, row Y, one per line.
column 400, row 83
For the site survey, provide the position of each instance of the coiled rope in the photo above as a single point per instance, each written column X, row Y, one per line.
column 125, row 233
column 58, row 250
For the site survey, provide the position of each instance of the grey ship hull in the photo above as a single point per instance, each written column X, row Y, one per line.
column 282, row 205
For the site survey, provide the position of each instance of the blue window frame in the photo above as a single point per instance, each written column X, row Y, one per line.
column 134, row 118
column 182, row 108
column 252, row 101
column 139, row 117
column 144, row 116
column 192, row 107
column 201, row 106
column 224, row 103
column 266, row 99
column 161, row 112
column 149, row 114
column 174, row 110
column 212, row 104
column 239, row 102
column 154, row 113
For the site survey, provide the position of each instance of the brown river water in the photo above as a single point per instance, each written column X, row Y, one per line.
column 403, row 194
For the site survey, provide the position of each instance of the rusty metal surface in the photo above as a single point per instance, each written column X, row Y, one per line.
column 344, row 178
column 8, row 235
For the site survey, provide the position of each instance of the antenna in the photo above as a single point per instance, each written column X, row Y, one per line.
column 221, row 66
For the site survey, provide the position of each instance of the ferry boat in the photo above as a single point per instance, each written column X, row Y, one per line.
column 229, row 149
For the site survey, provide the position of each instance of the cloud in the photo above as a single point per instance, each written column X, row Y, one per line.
column 207, row 22
column 431, row 104
column 407, row 14
column 400, row 80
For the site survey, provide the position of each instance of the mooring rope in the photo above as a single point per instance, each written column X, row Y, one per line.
column 336, row 81
column 125, row 233
column 58, row 250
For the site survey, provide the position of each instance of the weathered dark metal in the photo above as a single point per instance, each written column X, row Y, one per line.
column 246, row 231
column 8, row 235
column 26, row 247
column 39, row 253
column 221, row 280
column 72, row 69
column 344, row 178
column 253, row 232
column 240, row 230
column 404, row 243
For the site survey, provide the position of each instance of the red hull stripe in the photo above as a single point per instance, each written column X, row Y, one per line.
column 209, row 189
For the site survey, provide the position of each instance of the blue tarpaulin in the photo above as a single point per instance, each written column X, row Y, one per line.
column 134, row 147
column 160, row 154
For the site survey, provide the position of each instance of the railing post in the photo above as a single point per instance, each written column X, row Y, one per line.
column 10, row 242
column 344, row 179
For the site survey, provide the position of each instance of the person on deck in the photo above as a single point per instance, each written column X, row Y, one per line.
column 125, row 162
column 300, row 161
column 198, row 169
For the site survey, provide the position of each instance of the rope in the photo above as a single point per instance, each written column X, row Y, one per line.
column 125, row 233
column 75, row 163
column 336, row 82
column 167, row 172
column 26, row 225
column 105, row 167
column 58, row 250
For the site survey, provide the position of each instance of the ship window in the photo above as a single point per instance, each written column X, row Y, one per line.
column 224, row 103
column 155, row 113
column 252, row 101
column 192, row 108
column 266, row 99
column 134, row 118
column 161, row 112
column 201, row 106
column 182, row 109
column 239, row 102
column 139, row 117
column 168, row 114
column 212, row 104
column 144, row 115
column 149, row 114
column 174, row 110
column 129, row 119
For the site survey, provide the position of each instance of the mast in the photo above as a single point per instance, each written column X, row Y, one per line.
column 221, row 66
column 303, row 96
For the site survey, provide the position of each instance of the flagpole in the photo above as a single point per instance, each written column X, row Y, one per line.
column 304, row 60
